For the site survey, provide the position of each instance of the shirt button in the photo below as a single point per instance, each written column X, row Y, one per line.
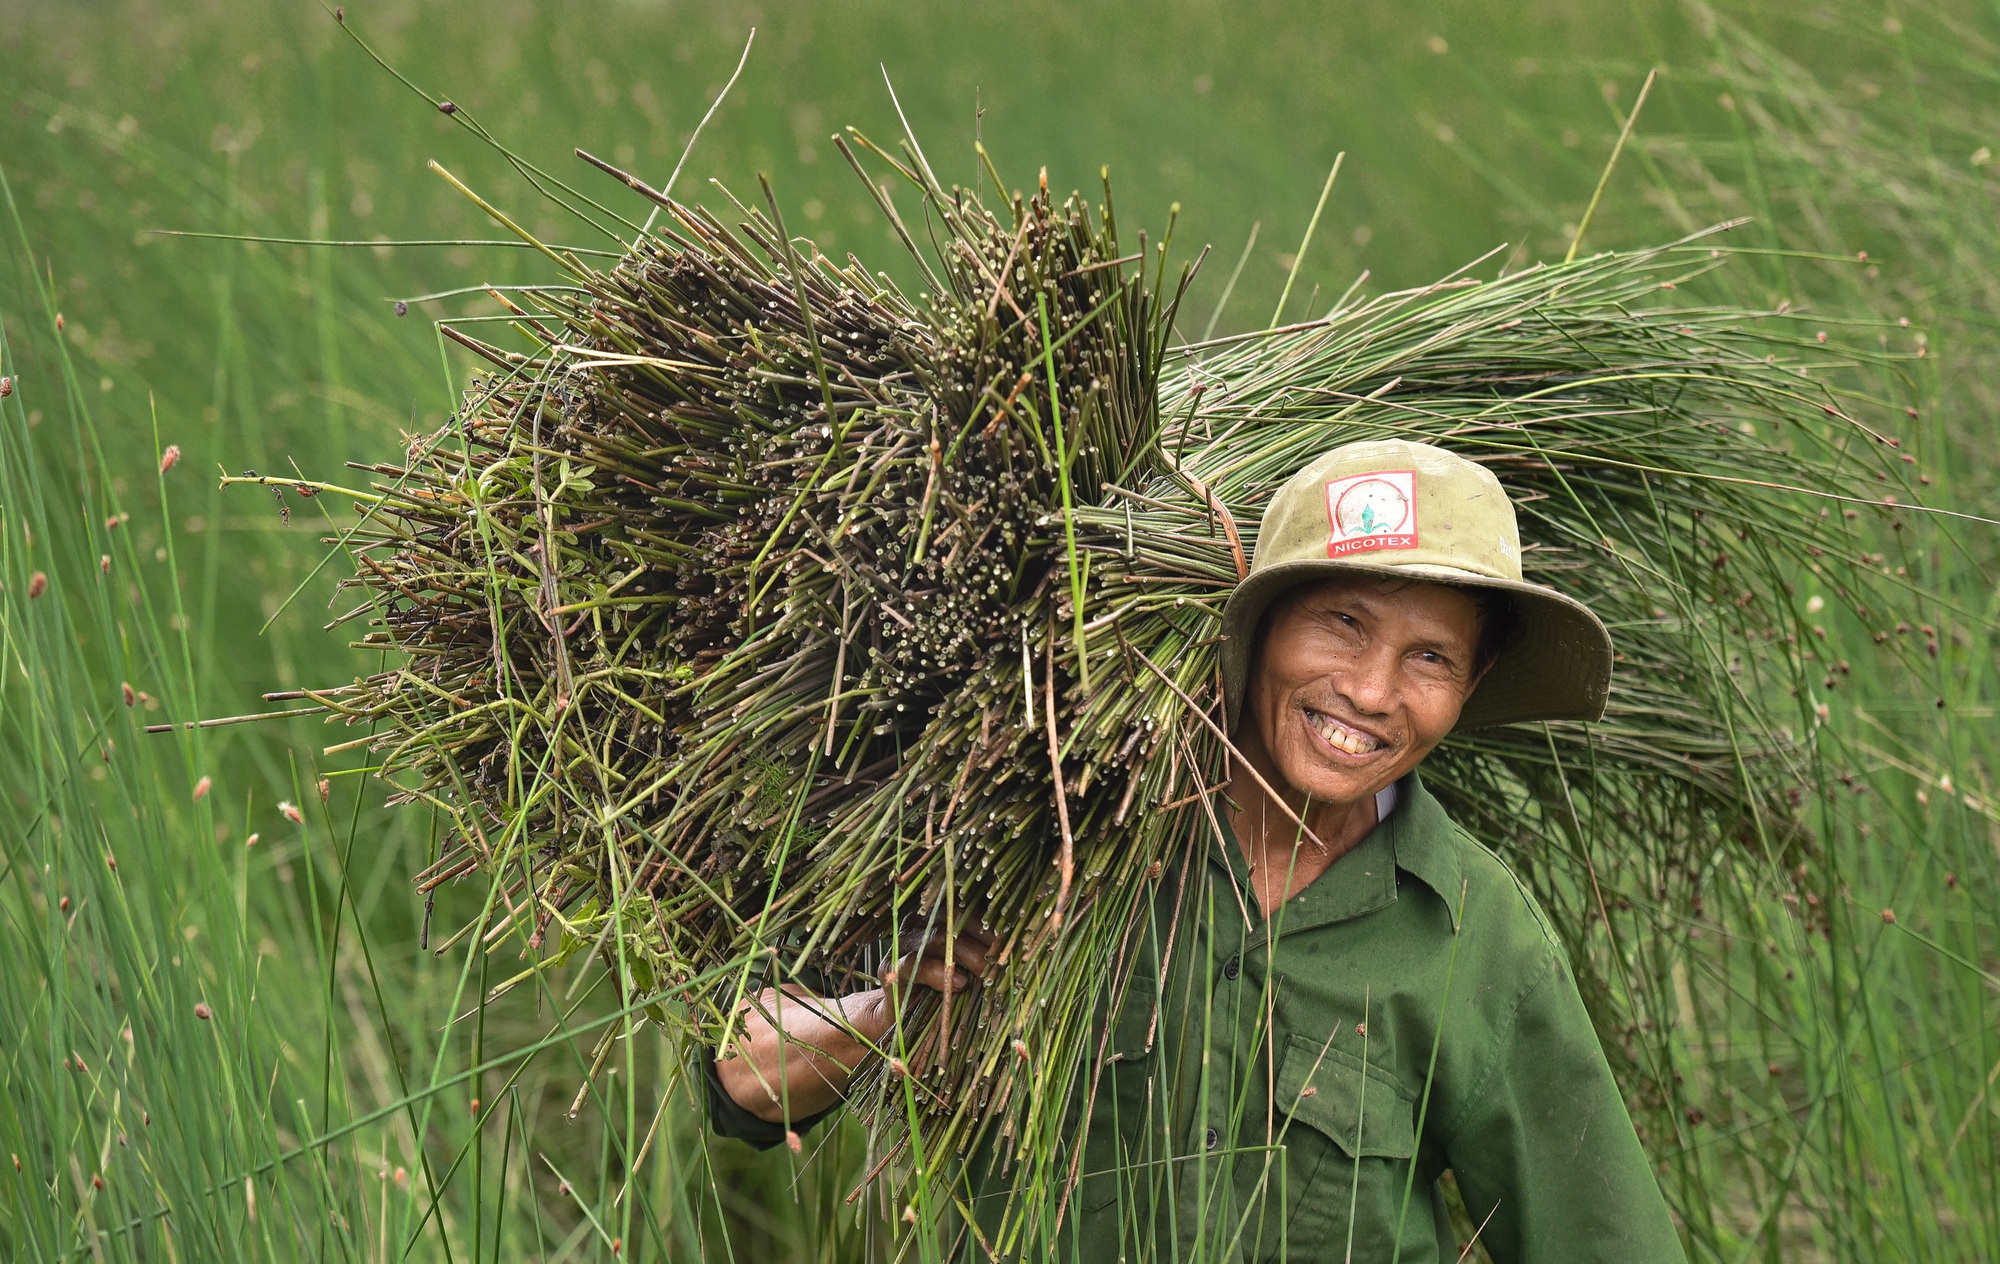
column 1211, row 1139
column 1232, row 967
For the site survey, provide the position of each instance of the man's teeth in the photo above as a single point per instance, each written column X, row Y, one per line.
column 1339, row 736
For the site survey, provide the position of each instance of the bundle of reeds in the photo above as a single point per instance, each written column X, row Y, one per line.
column 763, row 618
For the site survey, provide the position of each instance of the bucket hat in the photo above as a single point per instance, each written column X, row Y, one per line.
column 1415, row 511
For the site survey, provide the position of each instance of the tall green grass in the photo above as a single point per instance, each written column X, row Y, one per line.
column 1830, row 1077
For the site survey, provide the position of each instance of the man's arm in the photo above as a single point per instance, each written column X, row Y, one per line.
column 798, row 1052
column 1544, row 1151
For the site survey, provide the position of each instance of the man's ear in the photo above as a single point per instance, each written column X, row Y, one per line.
column 1479, row 676
column 1472, row 686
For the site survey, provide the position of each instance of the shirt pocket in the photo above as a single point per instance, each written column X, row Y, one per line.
column 1122, row 1159
column 1350, row 1138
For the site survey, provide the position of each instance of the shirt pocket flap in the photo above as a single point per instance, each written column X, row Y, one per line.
column 1326, row 1094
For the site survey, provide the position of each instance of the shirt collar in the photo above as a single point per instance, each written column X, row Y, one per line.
column 1413, row 835
column 1385, row 800
column 1427, row 843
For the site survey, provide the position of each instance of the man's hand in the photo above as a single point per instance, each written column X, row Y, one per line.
column 823, row 1043
column 944, row 966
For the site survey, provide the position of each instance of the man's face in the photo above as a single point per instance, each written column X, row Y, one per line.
column 1357, row 679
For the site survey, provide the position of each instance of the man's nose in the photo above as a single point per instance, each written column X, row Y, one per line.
column 1369, row 685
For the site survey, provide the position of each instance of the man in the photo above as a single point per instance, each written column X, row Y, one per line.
column 1361, row 998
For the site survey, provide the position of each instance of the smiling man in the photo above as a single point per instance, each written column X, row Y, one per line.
column 1352, row 998
column 1377, row 977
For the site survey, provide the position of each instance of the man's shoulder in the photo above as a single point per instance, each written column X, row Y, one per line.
column 1501, row 913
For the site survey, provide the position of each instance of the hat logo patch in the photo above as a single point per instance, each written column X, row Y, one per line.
column 1369, row 513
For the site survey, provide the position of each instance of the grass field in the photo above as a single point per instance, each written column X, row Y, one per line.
column 230, row 1030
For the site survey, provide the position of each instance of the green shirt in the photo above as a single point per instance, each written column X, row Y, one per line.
column 1251, row 1136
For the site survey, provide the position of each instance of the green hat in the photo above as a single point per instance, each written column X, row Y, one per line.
column 1413, row 511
